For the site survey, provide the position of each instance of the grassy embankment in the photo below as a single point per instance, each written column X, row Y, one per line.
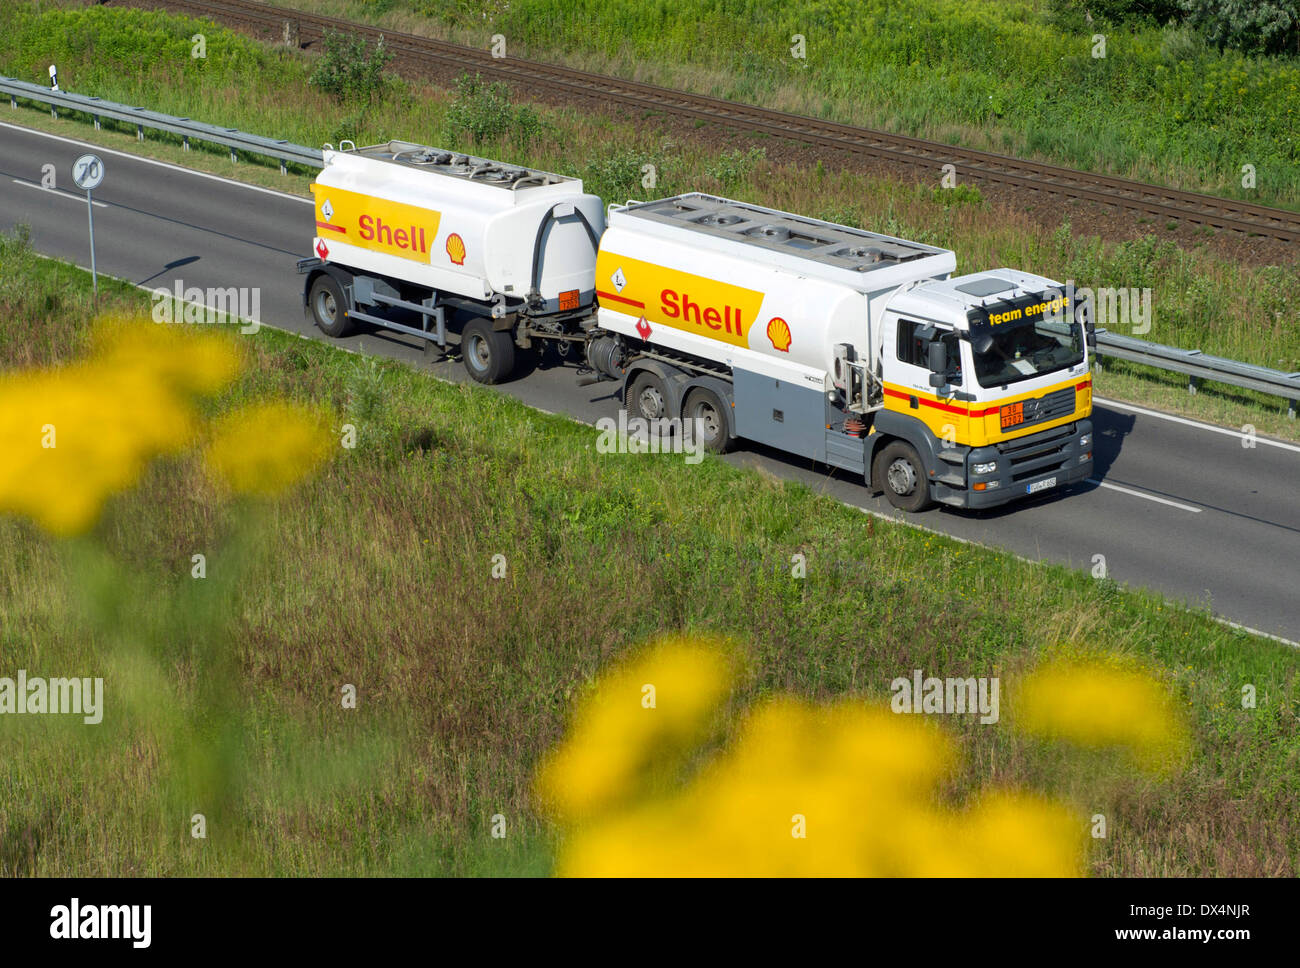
column 1002, row 75
column 379, row 574
column 1246, row 313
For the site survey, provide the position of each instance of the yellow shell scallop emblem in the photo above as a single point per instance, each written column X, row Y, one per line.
column 778, row 331
column 456, row 249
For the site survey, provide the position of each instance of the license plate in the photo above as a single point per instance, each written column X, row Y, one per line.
column 1043, row 485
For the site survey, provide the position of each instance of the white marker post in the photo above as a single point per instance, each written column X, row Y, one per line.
column 88, row 173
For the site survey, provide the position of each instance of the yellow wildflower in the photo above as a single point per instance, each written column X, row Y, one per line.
column 848, row 789
column 265, row 449
column 1099, row 705
column 74, row 435
column 643, row 715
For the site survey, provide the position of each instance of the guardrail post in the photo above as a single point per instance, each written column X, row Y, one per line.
column 233, row 159
column 1191, row 385
column 54, row 112
column 13, row 102
column 1291, row 406
column 185, row 141
column 284, row 170
column 139, row 132
column 96, row 117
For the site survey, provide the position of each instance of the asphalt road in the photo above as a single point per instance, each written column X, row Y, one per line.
column 1180, row 506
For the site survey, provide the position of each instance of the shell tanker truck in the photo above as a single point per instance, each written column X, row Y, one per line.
column 857, row 350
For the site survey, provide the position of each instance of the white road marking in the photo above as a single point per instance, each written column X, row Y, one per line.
column 154, row 161
column 1193, row 423
column 1149, row 497
column 55, row 191
column 1250, row 631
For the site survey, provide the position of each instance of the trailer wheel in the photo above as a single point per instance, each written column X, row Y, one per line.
column 902, row 475
column 703, row 405
column 646, row 397
column 489, row 354
column 328, row 307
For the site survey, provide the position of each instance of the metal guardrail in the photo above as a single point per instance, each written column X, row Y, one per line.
column 142, row 118
column 1193, row 363
column 1198, row 366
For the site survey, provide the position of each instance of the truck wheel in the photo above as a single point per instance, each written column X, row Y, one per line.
column 902, row 475
column 646, row 397
column 328, row 307
column 704, row 406
column 489, row 353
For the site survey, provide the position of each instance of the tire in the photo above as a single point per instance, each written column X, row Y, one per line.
column 901, row 474
column 646, row 397
column 328, row 307
column 489, row 354
column 703, row 404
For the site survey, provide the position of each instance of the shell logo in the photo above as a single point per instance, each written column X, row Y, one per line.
column 456, row 249
column 778, row 331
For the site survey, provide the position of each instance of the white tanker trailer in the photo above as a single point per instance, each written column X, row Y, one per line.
column 856, row 350
column 508, row 251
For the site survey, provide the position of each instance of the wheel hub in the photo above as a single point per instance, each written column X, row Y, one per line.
column 902, row 477
column 652, row 402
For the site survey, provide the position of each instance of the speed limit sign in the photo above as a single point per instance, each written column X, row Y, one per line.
column 88, row 172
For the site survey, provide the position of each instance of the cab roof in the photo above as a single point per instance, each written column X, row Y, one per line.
column 949, row 300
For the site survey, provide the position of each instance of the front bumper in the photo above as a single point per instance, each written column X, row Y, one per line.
column 1034, row 464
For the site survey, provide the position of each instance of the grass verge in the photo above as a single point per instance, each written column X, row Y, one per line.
column 379, row 574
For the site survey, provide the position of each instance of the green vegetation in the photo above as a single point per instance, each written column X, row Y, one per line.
column 1015, row 76
column 379, row 574
column 483, row 112
column 350, row 69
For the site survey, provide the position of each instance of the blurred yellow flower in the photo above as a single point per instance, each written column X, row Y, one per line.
column 264, row 449
column 74, row 435
column 1099, row 704
column 641, row 717
column 180, row 357
column 846, row 789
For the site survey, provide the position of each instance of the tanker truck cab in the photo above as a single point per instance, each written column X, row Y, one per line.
column 986, row 391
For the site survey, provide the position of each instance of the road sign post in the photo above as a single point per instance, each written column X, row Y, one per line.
column 88, row 173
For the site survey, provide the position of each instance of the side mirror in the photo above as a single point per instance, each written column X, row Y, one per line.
column 1084, row 316
column 937, row 357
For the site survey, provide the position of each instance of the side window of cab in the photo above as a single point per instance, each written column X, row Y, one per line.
column 913, row 349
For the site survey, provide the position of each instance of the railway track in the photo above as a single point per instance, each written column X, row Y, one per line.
column 441, row 58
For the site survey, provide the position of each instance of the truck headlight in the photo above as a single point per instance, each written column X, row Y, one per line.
column 988, row 468
column 1085, row 441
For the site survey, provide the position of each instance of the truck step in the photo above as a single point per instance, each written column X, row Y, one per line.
column 952, row 456
column 952, row 480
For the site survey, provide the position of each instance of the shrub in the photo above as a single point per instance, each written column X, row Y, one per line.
column 350, row 69
column 482, row 110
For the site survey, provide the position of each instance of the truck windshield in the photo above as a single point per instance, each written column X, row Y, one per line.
column 1029, row 349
